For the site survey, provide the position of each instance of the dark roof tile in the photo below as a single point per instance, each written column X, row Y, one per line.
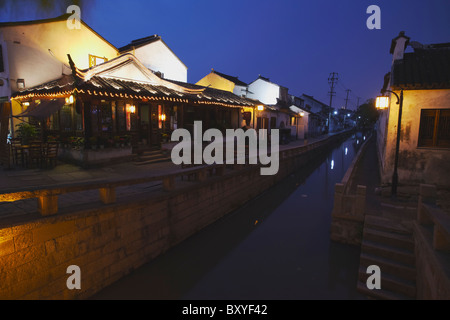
column 139, row 43
column 423, row 69
column 235, row 80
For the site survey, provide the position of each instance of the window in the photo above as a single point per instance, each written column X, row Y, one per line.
column 273, row 122
column 94, row 60
column 434, row 128
column 2, row 67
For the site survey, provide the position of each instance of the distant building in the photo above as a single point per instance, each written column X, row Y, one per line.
column 424, row 77
column 224, row 82
column 277, row 101
column 156, row 55
column 321, row 111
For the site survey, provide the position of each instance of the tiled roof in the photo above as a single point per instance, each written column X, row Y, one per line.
column 427, row 68
column 113, row 87
column 99, row 81
column 139, row 43
column 235, row 80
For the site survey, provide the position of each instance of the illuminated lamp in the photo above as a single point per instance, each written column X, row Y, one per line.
column 260, row 108
column 70, row 100
column 382, row 102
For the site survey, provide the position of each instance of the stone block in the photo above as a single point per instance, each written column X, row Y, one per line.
column 48, row 205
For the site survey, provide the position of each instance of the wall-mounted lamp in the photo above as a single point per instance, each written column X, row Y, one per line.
column 302, row 114
column 382, row 102
column 26, row 104
column 260, row 108
column 132, row 109
column 162, row 117
column 20, row 83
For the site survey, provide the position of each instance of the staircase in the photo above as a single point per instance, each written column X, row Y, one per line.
column 389, row 245
column 151, row 156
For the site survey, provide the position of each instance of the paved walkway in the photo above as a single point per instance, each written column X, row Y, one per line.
column 19, row 179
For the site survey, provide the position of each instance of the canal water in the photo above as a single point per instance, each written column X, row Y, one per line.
column 276, row 247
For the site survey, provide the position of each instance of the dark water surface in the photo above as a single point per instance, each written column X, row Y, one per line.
column 277, row 247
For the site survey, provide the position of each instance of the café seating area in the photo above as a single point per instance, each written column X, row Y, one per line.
column 35, row 154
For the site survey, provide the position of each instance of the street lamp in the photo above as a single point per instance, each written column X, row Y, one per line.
column 382, row 103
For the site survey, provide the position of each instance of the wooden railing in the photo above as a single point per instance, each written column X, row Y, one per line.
column 48, row 197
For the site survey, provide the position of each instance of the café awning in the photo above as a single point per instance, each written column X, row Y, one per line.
column 43, row 109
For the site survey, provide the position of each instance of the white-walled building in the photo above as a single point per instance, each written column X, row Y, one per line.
column 277, row 100
column 424, row 149
column 321, row 112
column 156, row 55
column 224, row 82
column 36, row 52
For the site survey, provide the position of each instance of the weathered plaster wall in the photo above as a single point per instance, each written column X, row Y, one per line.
column 415, row 165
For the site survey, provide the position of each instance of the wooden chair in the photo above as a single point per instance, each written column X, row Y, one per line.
column 51, row 154
column 17, row 152
column 34, row 155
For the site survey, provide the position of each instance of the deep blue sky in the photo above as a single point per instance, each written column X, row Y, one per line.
column 295, row 43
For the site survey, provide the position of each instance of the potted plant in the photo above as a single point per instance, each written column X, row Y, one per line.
column 127, row 139
column 26, row 132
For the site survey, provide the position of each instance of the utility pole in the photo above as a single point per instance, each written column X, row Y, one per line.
column 357, row 104
column 332, row 79
column 346, row 100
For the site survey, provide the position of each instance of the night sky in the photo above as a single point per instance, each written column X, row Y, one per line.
column 296, row 44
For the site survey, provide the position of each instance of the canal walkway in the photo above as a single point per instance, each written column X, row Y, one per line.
column 63, row 175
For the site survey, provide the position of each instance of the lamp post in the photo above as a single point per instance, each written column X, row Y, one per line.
column 382, row 103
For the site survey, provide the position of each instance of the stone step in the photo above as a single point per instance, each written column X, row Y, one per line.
column 385, row 224
column 387, row 251
column 392, row 283
column 152, row 152
column 155, row 160
column 403, row 241
column 379, row 294
column 395, row 268
column 152, row 156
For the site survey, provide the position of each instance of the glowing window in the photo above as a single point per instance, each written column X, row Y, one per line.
column 95, row 60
